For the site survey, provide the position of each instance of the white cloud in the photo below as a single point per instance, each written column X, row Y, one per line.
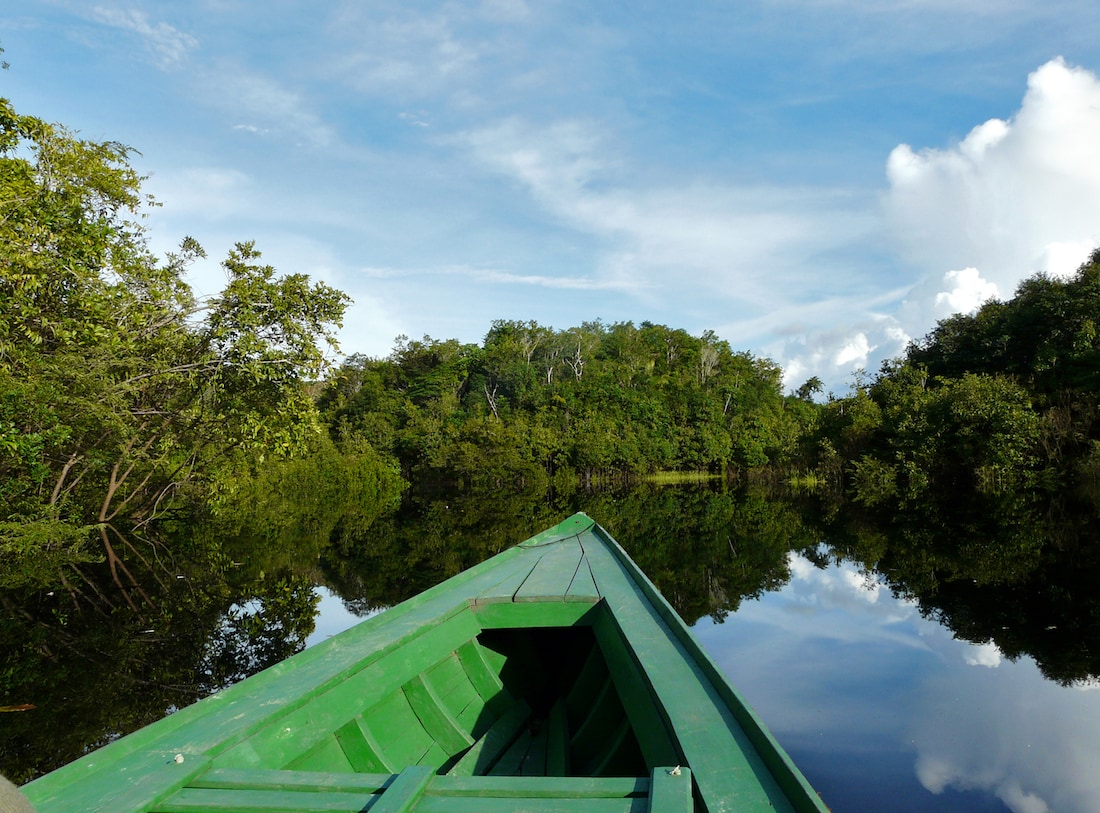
column 270, row 105
column 967, row 291
column 835, row 355
column 1013, row 198
column 167, row 45
column 987, row 654
column 571, row 283
column 747, row 245
column 404, row 52
column 843, row 588
column 1013, row 194
column 854, row 352
column 1046, row 745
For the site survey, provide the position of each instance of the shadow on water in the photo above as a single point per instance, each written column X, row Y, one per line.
column 1016, row 570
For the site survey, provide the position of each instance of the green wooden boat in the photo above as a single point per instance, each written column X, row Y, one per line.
column 552, row 677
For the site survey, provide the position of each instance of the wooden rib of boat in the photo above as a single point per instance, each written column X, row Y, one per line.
column 551, row 677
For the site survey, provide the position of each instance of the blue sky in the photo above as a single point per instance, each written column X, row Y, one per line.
column 816, row 180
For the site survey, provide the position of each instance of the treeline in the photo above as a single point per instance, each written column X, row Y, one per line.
column 1006, row 397
column 126, row 403
column 531, row 403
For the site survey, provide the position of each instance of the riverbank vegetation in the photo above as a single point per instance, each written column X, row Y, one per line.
column 1005, row 398
column 128, row 406
column 593, row 402
column 126, row 403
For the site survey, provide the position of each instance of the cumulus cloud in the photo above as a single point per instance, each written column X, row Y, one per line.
column 167, row 45
column 988, row 655
column 1046, row 744
column 1015, row 197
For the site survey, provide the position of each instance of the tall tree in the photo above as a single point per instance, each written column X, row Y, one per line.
column 118, row 389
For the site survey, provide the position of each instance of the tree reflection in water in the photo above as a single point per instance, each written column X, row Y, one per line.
column 1012, row 570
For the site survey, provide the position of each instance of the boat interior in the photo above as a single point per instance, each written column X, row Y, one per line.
column 521, row 701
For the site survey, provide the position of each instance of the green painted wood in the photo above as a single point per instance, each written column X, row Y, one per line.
column 583, row 585
column 589, row 741
column 613, row 743
column 542, row 787
column 730, row 772
column 569, row 528
column 670, row 790
column 447, row 676
column 448, row 804
column 557, row 744
column 363, row 751
column 654, row 733
column 434, row 758
column 437, row 721
column 487, row 750
column 534, row 614
column 395, row 723
column 289, row 736
column 551, row 576
column 514, row 756
column 483, row 677
column 534, row 764
column 292, row 713
column 505, row 589
column 406, row 789
column 223, row 720
column 204, row 800
column 586, row 688
column 302, row 781
column 140, row 785
column 325, row 755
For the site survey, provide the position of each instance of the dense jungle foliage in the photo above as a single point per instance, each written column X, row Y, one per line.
column 531, row 403
column 1004, row 398
column 127, row 404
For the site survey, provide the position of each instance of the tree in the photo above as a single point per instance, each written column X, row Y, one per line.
column 119, row 391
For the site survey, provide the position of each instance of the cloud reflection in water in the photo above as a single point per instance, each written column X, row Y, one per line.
column 883, row 709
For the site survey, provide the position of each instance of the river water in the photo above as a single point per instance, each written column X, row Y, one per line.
column 899, row 673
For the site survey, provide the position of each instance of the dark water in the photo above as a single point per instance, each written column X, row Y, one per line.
column 942, row 661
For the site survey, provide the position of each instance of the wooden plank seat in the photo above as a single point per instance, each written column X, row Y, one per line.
column 418, row 789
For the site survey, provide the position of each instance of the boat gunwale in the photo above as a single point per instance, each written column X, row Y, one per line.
column 227, row 701
column 783, row 769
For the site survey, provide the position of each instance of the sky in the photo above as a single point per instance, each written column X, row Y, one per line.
column 817, row 181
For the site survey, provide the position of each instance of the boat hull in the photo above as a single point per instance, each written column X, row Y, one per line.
column 551, row 677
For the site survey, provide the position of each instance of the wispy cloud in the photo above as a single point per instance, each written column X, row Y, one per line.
column 392, row 49
column 167, row 45
column 265, row 105
column 492, row 276
column 739, row 243
column 563, row 283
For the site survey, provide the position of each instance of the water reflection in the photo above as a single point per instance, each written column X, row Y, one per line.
column 930, row 702
column 333, row 616
column 886, row 710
